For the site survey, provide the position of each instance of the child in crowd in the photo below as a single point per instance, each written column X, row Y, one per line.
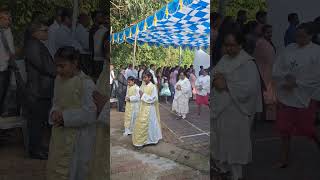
column 165, row 91
column 132, row 106
column 73, row 117
column 147, row 128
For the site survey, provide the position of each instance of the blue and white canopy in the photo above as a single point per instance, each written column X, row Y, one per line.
column 181, row 23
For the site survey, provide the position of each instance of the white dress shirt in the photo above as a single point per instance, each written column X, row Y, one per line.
column 82, row 36
column 4, row 55
column 64, row 38
column 98, row 39
column 51, row 43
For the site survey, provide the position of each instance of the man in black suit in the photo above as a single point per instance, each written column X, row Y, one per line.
column 41, row 73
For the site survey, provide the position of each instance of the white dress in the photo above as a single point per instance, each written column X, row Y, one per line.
column 233, row 111
column 85, row 120
column 181, row 98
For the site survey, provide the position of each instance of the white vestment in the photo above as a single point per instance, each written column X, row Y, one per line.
column 203, row 85
column 134, row 102
column 84, row 120
column 153, row 133
column 181, row 97
column 234, row 110
column 304, row 65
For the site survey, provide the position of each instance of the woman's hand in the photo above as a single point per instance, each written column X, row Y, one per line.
column 100, row 100
column 179, row 88
column 220, row 83
column 57, row 118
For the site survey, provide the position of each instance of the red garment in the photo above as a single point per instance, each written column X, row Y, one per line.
column 202, row 100
column 296, row 121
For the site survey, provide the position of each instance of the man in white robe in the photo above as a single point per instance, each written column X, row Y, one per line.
column 183, row 93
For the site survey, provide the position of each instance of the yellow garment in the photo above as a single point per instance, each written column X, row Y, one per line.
column 99, row 165
column 102, row 82
column 140, row 132
column 128, row 113
column 68, row 95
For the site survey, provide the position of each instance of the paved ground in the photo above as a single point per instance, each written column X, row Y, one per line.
column 193, row 133
column 305, row 157
column 14, row 165
column 165, row 160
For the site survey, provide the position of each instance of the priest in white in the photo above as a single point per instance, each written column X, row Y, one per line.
column 183, row 93
column 236, row 99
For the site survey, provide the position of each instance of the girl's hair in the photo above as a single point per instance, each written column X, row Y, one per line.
column 184, row 73
column 238, row 36
column 130, row 78
column 149, row 74
column 67, row 53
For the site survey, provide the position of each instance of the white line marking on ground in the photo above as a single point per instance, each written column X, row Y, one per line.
column 192, row 135
column 172, row 132
column 186, row 121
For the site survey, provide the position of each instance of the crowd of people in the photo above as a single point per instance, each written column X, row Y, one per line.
column 173, row 85
column 253, row 80
column 65, row 91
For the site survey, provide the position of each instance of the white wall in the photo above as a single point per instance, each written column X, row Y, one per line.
column 278, row 11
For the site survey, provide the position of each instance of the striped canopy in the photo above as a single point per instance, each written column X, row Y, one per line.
column 181, row 23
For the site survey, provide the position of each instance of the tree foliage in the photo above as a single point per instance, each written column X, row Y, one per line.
column 128, row 12
column 233, row 6
column 24, row 10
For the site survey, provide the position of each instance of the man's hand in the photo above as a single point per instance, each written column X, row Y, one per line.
column 100, row 100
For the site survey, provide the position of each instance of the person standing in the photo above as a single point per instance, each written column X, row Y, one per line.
column 143, row 68
column 261, row 18
column 296, row 75
column 63, row 34
column 183, row 93
column 241, row 19
column 265, row 55
column 121, row 90
column 74, row 119
column 112, row 79
column 82, row 36
column 237, row 97
column 152, row 71
column 132, row 106
column 53, row 28
column 172, row 82
column 41, row 72
column 202, row 85
column 129, row 71
column 289, row 36
column 193, row 80
column 147, row 128
column 7, row 51
column 98, row 44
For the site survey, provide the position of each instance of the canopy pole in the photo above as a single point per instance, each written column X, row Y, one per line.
column 180, row 55
column 75, row 16
column 135, row 49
